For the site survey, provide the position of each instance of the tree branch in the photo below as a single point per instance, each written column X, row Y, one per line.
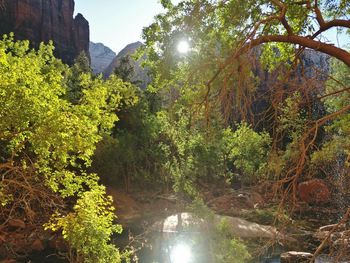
column 325, row 25
column 282, row 16
column 328, row 49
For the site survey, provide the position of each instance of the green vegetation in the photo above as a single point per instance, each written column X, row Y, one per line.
column 89, row 227
column 248, row 151
column 227, row 248
column 207, row 118
column 47, row 142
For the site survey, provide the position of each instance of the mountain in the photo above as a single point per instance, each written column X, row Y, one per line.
column 44, row 20
column 139, row 75
column 101, row 57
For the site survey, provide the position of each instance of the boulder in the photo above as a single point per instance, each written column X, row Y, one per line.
column 188, row 222
column 314, row 191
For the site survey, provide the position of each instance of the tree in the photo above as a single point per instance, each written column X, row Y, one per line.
column 46, row 145
column 125, row 70
column 252, row 23
column 221, row 71
column 223, row 33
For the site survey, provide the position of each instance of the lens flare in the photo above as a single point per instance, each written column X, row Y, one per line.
column 180, row 253
column 183, row 47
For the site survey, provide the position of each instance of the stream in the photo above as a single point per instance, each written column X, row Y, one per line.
column 181, row 239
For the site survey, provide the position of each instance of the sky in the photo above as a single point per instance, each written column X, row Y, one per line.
column 116, row 23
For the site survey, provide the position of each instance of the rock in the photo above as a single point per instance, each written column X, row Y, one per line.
column 37, row 245
column 236, row 203
column 42, row 20
column 314, row 192
column 342, row 243
column 339, row 238
column 101, row 57
column 188, row 222
column 244, row 229
column 140, row 75
column 16, row 223
column 128, row 209
column 296, row 257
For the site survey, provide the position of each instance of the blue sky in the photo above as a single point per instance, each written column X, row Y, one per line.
column 117, row 23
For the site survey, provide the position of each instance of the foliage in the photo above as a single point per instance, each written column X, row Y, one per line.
column 337, row 144
column 49, row 140
column 89, row 227
column 221, row 246
column 248, row 150
column 292, row 120
column 191, row 152
column 74, row 90
column 125, row 69
column 268, row 216
column 213, row 25
column 227, row 248
column 131, row 152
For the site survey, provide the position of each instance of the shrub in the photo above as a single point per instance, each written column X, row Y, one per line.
column 248, row 150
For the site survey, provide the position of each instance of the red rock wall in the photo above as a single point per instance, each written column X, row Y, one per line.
column 44, row 20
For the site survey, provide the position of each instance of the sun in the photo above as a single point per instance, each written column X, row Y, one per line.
column 183, row 47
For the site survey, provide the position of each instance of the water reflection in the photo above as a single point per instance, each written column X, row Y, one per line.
column 182, row 238
column 181, row 253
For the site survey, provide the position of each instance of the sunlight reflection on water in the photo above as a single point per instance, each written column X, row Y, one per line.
column 180, row 253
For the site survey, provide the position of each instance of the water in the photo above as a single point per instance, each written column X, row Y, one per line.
column 177, row 239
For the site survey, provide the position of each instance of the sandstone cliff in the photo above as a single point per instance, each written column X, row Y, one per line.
column 44, row 20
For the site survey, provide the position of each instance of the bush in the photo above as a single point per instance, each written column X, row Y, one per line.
column 89, row 227
column 248, row 151
column 46, row 143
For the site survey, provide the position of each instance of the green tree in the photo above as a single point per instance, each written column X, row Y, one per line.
column 47, row 143
column 248, row 150
column 336, row 147
column 130, row 154
column 125, row 69
column 74, row 89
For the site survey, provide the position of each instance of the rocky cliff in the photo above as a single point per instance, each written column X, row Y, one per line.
column 139, row 75
column 101, row 57
column 44, row 20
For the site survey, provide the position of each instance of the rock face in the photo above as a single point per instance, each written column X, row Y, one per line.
column 44, row 20
column 314, row 192
column 314, row 61
column 139, row 75
column 101, row 57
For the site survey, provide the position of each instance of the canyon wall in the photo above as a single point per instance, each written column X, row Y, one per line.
column 44, row 20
